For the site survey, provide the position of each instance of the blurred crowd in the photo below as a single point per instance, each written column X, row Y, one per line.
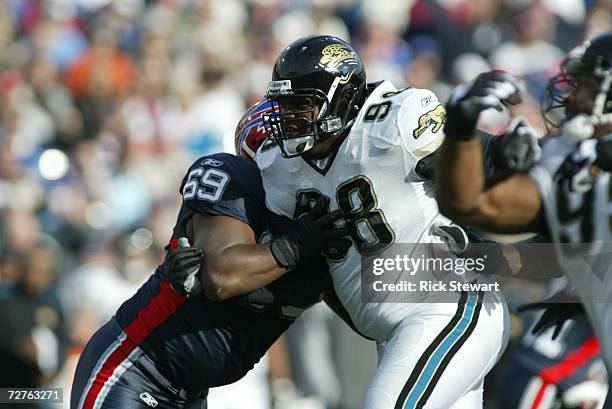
column 105, row 103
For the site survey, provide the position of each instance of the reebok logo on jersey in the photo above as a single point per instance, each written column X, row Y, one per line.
column 426, row 101
column 212, row 162
column 148, row 399
column 322, row 163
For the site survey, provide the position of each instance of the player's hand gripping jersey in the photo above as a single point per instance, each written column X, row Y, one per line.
column 577, row 203
column 371, row 177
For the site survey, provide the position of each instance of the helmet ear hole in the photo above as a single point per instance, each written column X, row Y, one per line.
column 349, row 95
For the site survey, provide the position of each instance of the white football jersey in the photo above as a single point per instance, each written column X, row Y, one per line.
column 373, row 174
column 578, row 211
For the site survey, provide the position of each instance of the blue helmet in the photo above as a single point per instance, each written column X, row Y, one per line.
column 250, row 132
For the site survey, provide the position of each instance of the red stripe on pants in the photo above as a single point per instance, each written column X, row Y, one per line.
column 162, row 306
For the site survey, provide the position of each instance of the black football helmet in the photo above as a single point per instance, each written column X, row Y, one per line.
column 588, row 67
column 318, row 86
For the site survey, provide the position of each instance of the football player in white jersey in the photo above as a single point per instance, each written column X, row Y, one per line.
column 361, row 146
column 567, row 194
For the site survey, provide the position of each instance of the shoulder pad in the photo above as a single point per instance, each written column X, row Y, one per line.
column 219, row 177
column 371, row 86
column 378, row 117
column 272, row 160
column 408, row 117
column 420, row 122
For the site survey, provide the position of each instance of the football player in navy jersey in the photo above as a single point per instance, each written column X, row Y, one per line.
column 169, row 343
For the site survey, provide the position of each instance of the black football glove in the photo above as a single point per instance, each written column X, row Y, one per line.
column 310, row 234
column 181, row 267
column 489, row 90
column 554, row 316
column 517, row 149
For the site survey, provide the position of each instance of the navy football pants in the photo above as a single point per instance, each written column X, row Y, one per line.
column 113, row 372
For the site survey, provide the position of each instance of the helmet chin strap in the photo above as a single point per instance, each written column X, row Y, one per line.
column 330, row 96
column 333, row 123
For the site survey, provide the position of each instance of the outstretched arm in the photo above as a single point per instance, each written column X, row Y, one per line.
column 509, row 206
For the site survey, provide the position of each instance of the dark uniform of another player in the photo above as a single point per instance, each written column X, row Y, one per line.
column 541, row 370
column 163, row 349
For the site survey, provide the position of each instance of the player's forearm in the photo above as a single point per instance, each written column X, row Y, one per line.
column 239, row 270
column 509, row 206
column 460, row 178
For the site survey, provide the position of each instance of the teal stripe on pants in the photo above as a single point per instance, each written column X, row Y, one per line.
column 437, row 356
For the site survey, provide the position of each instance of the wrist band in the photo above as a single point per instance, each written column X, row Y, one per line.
column 282, row 251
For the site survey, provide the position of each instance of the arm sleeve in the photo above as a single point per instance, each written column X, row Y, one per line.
column 420, row 119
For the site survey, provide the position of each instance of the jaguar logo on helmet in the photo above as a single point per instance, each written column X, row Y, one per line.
column 334, row 54
column 318, row 86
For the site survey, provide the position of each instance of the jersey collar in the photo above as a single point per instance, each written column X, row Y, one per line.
column 323, row 166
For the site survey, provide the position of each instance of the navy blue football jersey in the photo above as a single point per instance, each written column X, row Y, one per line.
column 197, row 343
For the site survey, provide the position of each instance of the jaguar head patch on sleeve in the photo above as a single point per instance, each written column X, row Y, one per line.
column 433, row 119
